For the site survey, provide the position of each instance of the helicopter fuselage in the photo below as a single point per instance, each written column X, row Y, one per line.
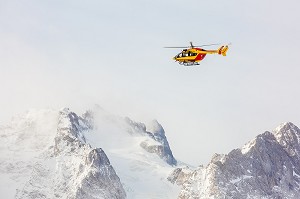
column 193, row 56
column 190, row 55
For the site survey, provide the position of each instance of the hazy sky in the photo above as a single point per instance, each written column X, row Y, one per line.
column 74, row 54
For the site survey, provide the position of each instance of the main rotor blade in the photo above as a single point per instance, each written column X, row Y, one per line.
column 208, row 45
column 192, row 46
column 178, row 47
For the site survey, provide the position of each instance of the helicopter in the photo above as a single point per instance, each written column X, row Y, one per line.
column 192, row 55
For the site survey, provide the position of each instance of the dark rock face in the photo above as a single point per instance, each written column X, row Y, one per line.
column 69, row 131
column 266, row 167
column 180, row 175
column 165, row 151
column 161, row 147
column 101, row 178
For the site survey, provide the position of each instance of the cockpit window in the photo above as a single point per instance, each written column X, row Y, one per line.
column 185, row 54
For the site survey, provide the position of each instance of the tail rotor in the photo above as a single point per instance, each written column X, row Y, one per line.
column 223, row 50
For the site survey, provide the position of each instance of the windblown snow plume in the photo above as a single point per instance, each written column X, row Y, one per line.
column 45, row 155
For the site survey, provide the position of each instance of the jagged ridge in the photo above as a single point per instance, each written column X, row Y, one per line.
column 267, row 167
column 65, row 166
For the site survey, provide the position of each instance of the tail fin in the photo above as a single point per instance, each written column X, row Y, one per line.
column 223, row 50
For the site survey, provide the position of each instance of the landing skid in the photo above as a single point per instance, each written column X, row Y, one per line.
column 188, row 63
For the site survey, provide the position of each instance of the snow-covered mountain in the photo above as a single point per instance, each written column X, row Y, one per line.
column 44, row 154
column 266, row 167
column 59, row 154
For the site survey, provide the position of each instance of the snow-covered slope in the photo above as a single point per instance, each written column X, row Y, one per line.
column 58, row 154
column 266, row 167
column 142, row 159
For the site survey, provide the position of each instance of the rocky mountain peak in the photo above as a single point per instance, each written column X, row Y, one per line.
column 286, row 126
column 156, row 128
column 158, row 142
column 97, row 157
column 287, row 132
column 65, row 167
column 288, row 136
column 266, row 167
column 70, row 131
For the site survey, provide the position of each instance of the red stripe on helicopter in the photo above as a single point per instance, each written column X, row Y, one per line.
column 200, row 57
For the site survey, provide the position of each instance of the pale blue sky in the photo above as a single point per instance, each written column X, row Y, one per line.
column 78, row 53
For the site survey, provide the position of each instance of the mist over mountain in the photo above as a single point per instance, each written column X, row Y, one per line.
column 60, row 154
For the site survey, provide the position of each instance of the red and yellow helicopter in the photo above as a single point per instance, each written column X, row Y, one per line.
column 192, row 55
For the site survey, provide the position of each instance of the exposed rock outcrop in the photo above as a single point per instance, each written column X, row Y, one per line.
column 266, row 167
